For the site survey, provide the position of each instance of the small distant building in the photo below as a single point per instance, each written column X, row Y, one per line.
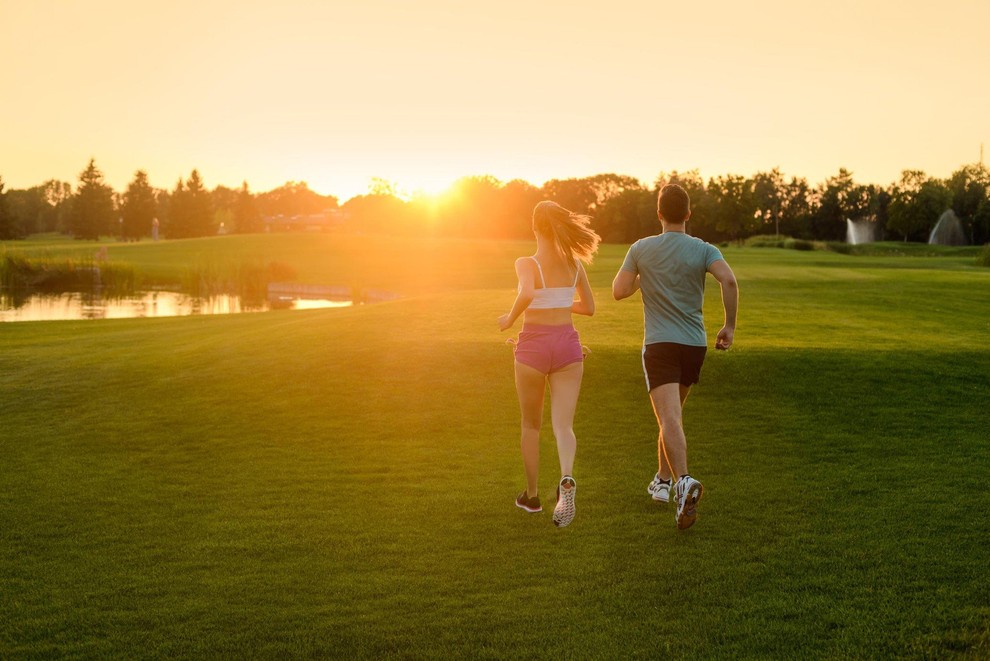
column 317, row 222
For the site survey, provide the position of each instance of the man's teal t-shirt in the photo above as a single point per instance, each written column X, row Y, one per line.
column 672, row 268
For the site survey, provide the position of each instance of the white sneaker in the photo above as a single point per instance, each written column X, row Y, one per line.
column 688, row 492
column 563, row 513
column 659, row 489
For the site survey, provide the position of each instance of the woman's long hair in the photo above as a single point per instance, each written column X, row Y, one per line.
column 571, row 233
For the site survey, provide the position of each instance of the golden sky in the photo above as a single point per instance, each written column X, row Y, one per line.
column 421, row 92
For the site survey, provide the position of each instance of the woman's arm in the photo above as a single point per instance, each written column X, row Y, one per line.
column 586, row 298
column 527, row 285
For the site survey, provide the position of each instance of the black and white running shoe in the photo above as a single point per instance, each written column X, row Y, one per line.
column 563, row 513
column 659, row 489
column 688, row 492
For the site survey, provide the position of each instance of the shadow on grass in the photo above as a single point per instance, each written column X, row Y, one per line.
column 367, row 510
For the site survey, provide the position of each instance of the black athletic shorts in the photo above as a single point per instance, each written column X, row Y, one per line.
column 669, row 362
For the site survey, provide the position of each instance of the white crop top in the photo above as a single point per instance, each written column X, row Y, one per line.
column 551, row 298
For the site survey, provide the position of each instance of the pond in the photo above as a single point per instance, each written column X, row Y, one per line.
column 36, row 306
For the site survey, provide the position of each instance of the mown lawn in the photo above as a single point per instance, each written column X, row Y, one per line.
column 340, row 482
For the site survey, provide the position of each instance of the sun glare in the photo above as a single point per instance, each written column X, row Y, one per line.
column 425, row 186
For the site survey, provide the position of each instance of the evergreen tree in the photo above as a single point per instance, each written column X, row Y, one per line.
column 247, row 216
column 92, row 206
column 139, row 207
column 190, row 209
column 175, row 212
column 200, row 206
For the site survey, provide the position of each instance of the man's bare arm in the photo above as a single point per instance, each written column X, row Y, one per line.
column 730, row 302
column 624, row 285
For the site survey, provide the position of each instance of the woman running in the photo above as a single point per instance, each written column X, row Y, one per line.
column 548, row 349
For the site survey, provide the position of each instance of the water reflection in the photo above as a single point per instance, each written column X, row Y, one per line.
column 22, row 306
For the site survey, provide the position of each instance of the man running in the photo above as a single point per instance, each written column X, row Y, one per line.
column 670, row 270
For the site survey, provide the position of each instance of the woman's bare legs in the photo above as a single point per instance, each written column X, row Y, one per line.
column 530, row 386
column 565, row 386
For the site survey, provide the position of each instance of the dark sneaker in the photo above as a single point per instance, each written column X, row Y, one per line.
column 531, row 505
column 659, row 489
column 563, row 513
column 688, row 492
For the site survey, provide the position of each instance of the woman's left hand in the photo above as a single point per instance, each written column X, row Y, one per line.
column 503, row 322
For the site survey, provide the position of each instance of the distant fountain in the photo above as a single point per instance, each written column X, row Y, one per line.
column 948, row 231
column 861, row 230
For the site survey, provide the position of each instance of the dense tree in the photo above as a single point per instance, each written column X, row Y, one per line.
column 247, row 215
column 40, row 208
column 8, row 228
column 588, row 194
column 828, row 221
column 916, row 204
column 138, row 208
column 190, row 210
column 465, row 210
column 623, row 209
column 628, row 216
column 382, row 213
column 769, row 198
column 295, row 199
column 25, row 208
column 514, row 214
column 734, row 206
column 58, row 198
column 223, row 201
column 795, row 215
column 702, row 221
column 970, row 187
column 92, row 211
column 837, row 200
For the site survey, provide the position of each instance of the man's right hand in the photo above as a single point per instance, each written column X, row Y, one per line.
column 724, row 339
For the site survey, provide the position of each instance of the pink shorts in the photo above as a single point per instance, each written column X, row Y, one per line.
column 548, row 348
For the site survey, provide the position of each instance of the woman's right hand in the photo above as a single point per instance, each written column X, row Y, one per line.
column 503, row 322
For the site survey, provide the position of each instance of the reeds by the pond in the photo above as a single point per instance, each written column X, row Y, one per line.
column 64, row 274
column 55, row 274
column 249, row 280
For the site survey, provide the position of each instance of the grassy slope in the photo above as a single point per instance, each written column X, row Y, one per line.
column 340, row 482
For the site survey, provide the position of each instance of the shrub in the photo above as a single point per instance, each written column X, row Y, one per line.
column 799, row 244
column 983, row 259
column 840, row 247
column 767, row 241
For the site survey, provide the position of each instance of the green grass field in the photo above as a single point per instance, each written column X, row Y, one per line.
column 339, row 483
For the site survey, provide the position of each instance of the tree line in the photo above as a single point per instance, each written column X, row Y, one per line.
column 724, row 208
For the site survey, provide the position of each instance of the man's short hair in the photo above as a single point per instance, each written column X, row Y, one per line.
column 673, row 204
